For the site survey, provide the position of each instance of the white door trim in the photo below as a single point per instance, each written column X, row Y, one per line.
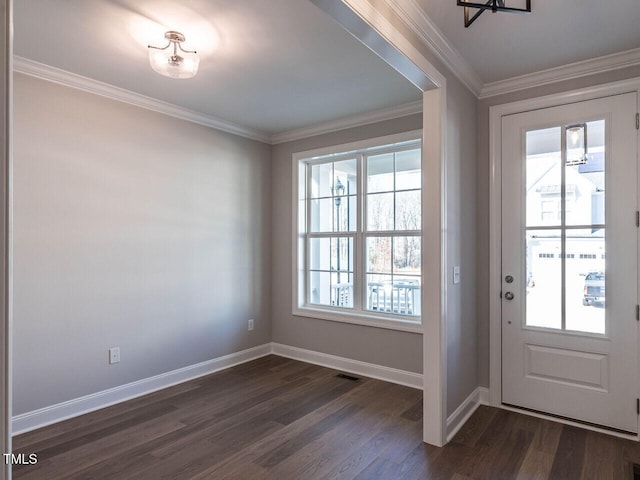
column 495, row 201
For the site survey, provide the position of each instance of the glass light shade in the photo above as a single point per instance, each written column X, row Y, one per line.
column 576, row 144
column 182, row 65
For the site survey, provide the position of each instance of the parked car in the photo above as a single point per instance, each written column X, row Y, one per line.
column 594, row 291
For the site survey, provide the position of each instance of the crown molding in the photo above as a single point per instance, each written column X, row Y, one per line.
column 349, row 122
column 416, row 19
column 571, row 71
column 62, row 77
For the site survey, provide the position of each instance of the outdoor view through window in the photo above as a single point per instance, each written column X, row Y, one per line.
column 360, row 225
column 565, row 228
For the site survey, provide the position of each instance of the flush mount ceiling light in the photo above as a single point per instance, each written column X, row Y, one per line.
column 493, row 5
column 173, row 60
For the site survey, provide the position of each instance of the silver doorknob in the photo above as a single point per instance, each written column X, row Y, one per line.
column 509, row 295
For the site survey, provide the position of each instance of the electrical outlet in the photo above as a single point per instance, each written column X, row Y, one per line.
column 114, row 355
column 250, row 324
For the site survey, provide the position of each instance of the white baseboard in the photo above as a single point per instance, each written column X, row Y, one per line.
column 79, row 406
column 401, row 377
column 484, row 396
column 480, row 396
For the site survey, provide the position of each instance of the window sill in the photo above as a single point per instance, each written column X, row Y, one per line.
column 401, row 324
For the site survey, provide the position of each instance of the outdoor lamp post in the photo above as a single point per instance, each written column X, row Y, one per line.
column 338, row 191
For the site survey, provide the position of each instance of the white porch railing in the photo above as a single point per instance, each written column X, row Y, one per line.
column 400, row 297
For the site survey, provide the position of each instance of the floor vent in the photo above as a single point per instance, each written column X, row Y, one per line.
column 347, row 377
column 636, row 471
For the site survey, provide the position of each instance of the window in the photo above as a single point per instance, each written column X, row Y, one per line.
column 359, row 232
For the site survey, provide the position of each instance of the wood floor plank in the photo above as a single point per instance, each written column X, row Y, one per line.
column 82, row 456
column 276, row 418
column 378, row 408
column 540, row 456
column 603, row 458
column 569, row 454
column 475, row 427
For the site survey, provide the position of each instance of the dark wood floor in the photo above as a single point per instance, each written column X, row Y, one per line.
column 276, row 418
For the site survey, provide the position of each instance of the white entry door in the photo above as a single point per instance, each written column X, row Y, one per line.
column 569, row 261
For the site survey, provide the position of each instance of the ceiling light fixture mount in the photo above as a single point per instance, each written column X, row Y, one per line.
column 172, row 60
column 493, row 5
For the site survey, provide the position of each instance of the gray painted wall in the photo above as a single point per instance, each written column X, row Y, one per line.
column 390, row 348
column 482, row 185
column 461, row 239
column 132, row 229
column 460, row 172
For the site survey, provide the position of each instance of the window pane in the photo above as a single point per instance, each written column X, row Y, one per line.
column 379, row 254
column 345, row 210
column 585, row 280
column 380, row 173
column 379, row 293
column 342, row 291
column 406, row 255
column 321, row 180
column 321, row 217
column 320, row 288
column 320, row 254
column 406, row 295
column 408, row 170
column 324, row 254
column 544, row 279
column 393, row 294
column 408, row 211
column 341, row 255
column 344, row 178
column 585, row 181
column 353, row 213
column 544, row 174
column 380, row 211
column 331, row 289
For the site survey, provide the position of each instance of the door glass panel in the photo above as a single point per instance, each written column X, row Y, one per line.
column 565, row 228
column 544, row 279
column 585, row 176
column 544, row 177
column 585, row 280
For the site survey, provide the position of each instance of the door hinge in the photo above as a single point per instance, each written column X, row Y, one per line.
column 638, row 406
column 638, row 312
column 637, row 121
column 637, row 219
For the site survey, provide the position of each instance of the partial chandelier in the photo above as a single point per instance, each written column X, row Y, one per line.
column 493, row 5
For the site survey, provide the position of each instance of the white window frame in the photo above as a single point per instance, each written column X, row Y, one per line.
column 358, row 315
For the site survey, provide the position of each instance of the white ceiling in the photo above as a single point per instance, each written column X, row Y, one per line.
column 281, row 65
column 271, row 66
column 556, row 32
